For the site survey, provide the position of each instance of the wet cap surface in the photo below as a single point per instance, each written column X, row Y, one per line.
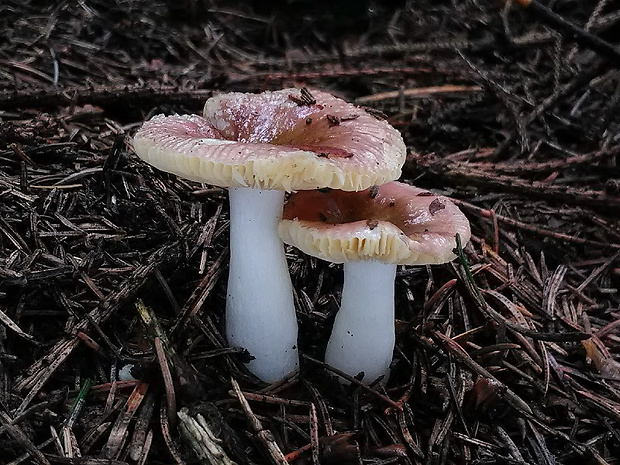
column 394, row 223
column 288, row 139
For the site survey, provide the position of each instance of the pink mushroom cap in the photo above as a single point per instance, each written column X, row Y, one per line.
column 287, row 139
column 393, row 223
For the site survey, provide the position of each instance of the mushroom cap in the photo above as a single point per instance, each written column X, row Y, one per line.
column 393, row 223
column 286, row 140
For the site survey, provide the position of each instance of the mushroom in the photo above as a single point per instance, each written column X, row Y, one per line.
column 259, row 146
column 371, row 232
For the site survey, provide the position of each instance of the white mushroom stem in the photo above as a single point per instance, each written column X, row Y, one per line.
column 362, row 338
column 260, row 311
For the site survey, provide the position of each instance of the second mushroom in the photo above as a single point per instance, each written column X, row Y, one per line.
column 371, row 232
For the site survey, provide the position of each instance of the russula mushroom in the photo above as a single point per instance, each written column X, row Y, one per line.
column 371, row 232
column 259, row 146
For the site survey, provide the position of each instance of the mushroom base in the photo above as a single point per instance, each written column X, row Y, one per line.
column 362, row 338
column 260, row 311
